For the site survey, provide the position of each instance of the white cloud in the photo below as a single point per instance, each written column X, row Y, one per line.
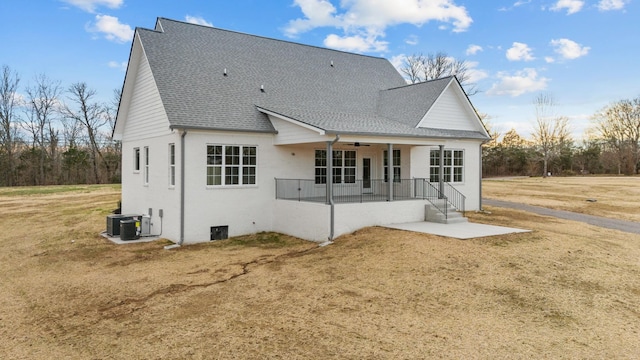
column 355, row 43
column 515, row 5
column 411, row 40
column 474, row 73
column 473, row 49
column 518, row 83
column 369, row 18
column 569, row 49
column 521, row 2
column 398, row 61
column 198, row 20
column 112, row 29
column 607, row 5
column 519, row 52
column 549, row 59
column 118, row 65
column 91, row 5
column 572, row 6
column 318, row 13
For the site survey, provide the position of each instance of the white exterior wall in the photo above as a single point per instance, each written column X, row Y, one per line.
column 147, row 126
column 470, row 187
column 305, row 220
column 246, row 209
column 351, row 217
column 138, row 198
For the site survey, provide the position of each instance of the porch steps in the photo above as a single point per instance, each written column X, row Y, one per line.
column 432, row 214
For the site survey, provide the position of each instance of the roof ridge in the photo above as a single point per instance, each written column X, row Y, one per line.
column 270, row 38
column 449, row 77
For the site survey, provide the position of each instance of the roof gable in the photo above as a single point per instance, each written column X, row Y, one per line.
column 452, row 110
column 409, row 104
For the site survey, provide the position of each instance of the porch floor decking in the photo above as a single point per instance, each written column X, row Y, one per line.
column 462, row 231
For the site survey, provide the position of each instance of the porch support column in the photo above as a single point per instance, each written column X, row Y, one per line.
column 329, row 172
column 480, row 180
column 390, row 171
column 441, row 172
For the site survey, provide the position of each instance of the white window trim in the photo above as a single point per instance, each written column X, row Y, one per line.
column 394, row 167
column 240, row 166
column 137, row 161
column 145, row 166
column 452, row 166
column 172, row 165
column 342, row 167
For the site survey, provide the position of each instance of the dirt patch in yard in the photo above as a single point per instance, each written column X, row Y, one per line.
column 565, row 290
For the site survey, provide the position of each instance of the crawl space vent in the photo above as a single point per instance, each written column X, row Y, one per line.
column 220, row 232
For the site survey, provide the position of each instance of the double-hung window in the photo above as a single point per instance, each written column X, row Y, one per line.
column 453, row 166
column 397, row 175
column 172, row 165
column 231, row 165
column 136, row 159
column 344, row 166
column 146, row 165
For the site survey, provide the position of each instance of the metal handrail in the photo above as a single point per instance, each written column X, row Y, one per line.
column 355, row 192
column 458, row 199
column 441, row 205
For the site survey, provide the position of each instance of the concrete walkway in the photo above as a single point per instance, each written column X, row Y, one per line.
column 622, row 225
column 465, row 230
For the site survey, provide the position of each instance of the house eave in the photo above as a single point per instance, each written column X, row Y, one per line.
column 291, row 120
column 209, row 128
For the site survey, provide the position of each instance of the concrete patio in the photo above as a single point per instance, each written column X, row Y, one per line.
column 465, row 230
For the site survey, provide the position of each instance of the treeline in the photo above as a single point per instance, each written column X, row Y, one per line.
column 611, row 144
column 50, row 134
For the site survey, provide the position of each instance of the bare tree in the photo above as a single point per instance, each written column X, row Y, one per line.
column 93, row 117
column 550, row 132
column 619, row 126
column 419, row 68
column 8, row 124
column 42, row 107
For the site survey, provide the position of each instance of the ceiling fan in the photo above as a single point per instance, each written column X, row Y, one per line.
column 357, row 144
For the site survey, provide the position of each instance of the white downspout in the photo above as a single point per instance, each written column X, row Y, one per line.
column 182, row 190
column 330, row 189
column 480, row 180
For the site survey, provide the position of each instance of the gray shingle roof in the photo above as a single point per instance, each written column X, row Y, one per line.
column 333, row 90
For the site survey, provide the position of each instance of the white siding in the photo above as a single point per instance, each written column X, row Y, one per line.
column 138, row 198
column 451, row 111
column 146, row 116
column 289, row 133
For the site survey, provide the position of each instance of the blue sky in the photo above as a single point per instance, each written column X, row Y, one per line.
column 584, row 52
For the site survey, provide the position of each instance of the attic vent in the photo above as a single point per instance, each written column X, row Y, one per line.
column 331, row 63
column 262, row 88
column 225, row 71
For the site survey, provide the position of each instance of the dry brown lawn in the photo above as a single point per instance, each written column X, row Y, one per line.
column 565, row 290
column 616, row 197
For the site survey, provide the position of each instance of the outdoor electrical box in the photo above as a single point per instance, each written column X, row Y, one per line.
column 145, row 225
column 219, row 232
